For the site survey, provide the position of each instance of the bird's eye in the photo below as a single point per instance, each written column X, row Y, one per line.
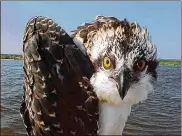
column 140, row 65
column 107, row 62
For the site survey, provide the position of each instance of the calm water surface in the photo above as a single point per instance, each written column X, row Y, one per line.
column 159, row 115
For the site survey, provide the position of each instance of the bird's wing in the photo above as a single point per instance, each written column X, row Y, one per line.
column 58, row 98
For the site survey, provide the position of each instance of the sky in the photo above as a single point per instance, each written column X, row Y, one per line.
column 162, row 20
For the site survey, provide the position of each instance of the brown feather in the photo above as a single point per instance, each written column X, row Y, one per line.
column 54, row 103
column 87, row 31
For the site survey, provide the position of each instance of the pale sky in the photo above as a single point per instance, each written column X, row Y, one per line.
column 161, row 18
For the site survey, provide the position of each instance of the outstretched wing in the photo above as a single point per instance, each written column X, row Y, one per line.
column 58, row 98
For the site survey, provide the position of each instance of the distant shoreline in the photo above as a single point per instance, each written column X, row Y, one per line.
column 161, row 61
column 12, row 56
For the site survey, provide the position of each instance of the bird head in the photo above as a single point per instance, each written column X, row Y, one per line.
column 124, row 59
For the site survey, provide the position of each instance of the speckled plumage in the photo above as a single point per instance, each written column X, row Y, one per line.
column 65, row 69
column 120, row 86
column 58, row 99
column 120, row 35
column 123, row 41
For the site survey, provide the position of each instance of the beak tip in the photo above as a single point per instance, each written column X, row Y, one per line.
column 121, row 95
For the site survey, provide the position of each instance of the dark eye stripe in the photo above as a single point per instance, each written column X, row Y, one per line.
column 152, row 65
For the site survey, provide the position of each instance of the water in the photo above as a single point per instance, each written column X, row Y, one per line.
column 159, row 115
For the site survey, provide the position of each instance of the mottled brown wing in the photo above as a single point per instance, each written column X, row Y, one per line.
column 58, row 98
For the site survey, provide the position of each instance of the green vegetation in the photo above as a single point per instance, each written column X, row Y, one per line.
column 11, row 56
column 169, row 62
column 161, row 61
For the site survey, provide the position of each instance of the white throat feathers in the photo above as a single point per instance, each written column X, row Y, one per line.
column 124, row 60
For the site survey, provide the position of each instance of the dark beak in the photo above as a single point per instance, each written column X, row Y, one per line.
column 123, row 89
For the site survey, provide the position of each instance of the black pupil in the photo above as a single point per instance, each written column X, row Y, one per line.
column 107, row 61
column 140, row 63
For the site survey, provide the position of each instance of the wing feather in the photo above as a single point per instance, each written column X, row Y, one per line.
column 53, row 68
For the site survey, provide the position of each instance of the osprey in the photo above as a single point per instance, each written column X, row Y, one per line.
column 68, row 84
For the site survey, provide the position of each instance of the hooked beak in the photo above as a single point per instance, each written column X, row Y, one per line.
column 123, row 85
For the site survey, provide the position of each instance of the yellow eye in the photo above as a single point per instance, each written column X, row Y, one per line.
column 107, row 62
